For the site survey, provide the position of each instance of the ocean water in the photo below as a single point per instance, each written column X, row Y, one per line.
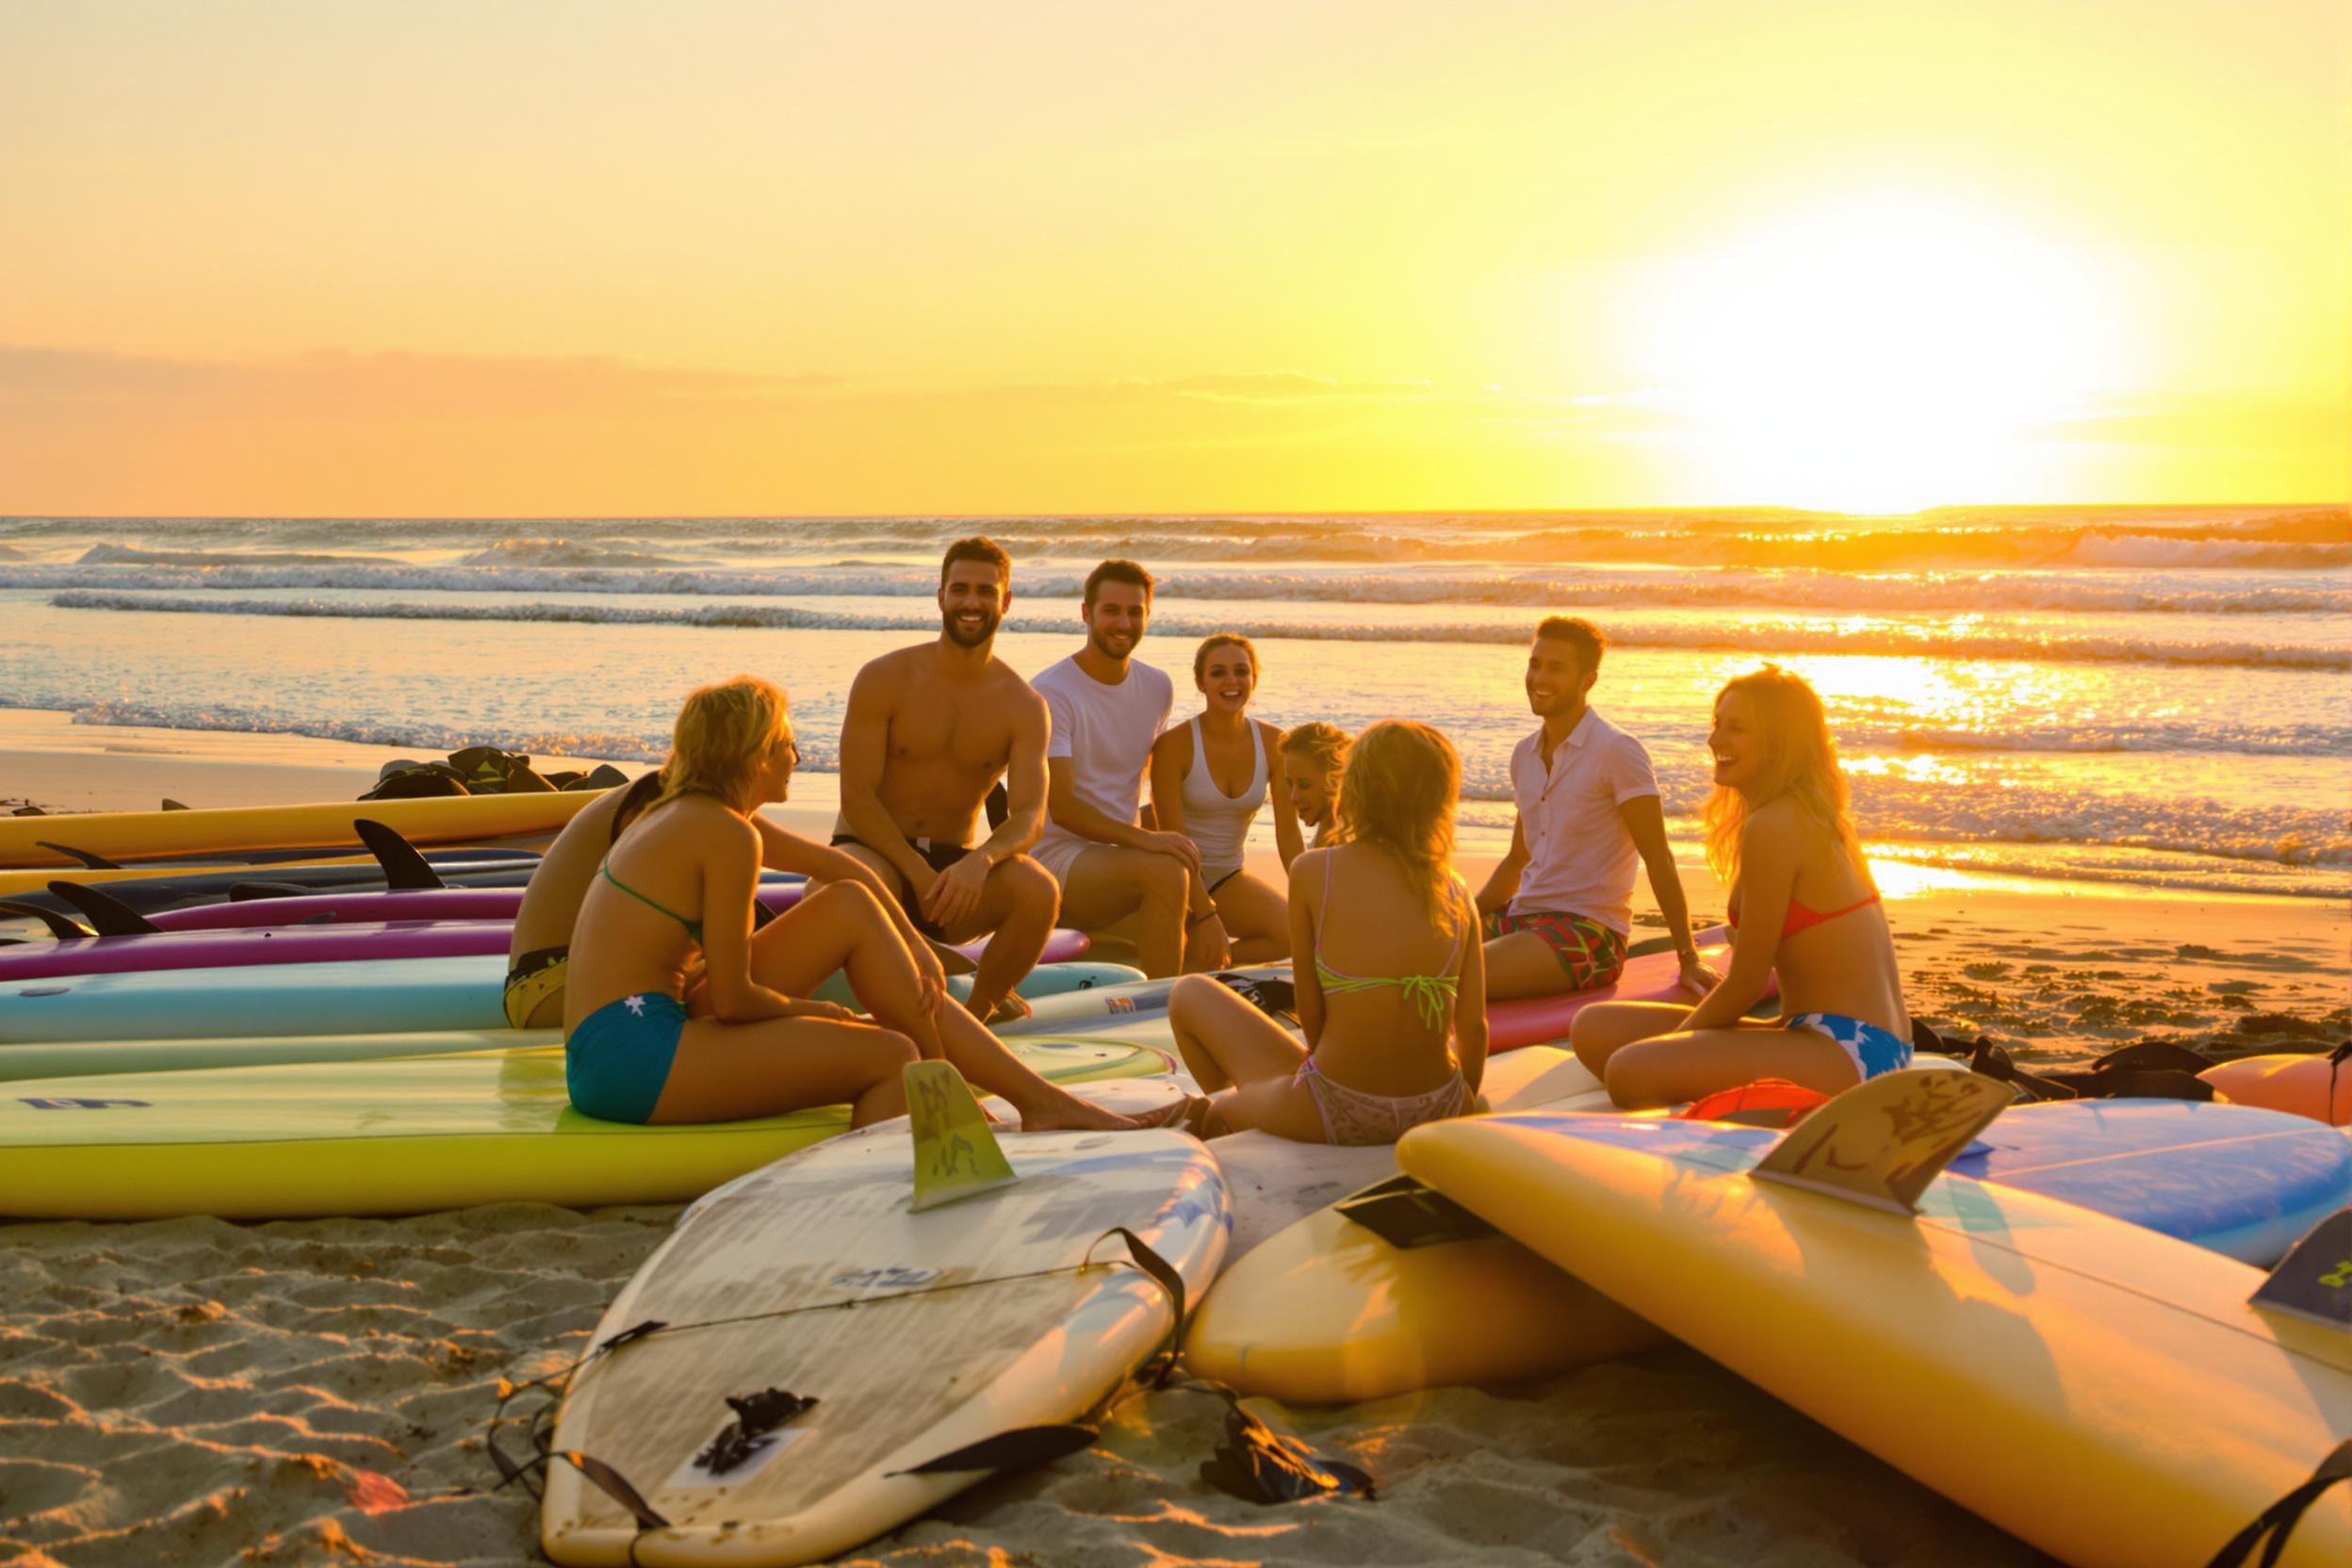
column 2141, row 696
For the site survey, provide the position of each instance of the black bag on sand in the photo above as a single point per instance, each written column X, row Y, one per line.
column 2149, row 1069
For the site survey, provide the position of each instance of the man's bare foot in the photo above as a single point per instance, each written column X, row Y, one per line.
column 1066, row 1112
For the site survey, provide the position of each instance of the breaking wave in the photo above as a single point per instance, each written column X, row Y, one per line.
column 1943, row 641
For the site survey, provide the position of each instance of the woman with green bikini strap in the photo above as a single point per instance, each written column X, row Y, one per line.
column 676, row 1011
column 1390, row 973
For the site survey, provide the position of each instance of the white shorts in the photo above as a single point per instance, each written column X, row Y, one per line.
column 1058, row 855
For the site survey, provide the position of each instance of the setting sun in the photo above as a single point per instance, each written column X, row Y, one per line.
column 1880, row 355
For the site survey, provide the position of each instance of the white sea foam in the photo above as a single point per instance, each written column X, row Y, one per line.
column 563, row 552
column 561, row 567
column 424, row 737
column 2280, row 538
column 1771, row 639
column 1988, row 825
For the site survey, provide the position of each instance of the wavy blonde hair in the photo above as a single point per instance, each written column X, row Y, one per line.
column 722, row 731
column 1398, row 791
column 1799, row 762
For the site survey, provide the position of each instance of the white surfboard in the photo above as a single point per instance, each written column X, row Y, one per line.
column 915, row 1333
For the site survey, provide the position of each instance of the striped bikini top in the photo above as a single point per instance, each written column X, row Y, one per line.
column 1429, row 993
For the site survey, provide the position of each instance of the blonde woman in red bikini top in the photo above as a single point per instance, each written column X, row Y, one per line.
column 1804, row 910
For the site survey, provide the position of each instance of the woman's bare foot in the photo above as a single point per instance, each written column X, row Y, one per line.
column 1059, row 1111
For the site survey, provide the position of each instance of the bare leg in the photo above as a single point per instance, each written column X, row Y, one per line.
column 1256, row 917
column 1225, row 1040
column 1044, row 1107
column 1599, row 1031
column 728, row 1071
column 1671, row 1069
column 1019, row 904
column 1524, row 964
column 842, row 925
column 1276, row 1105
column 846, row 929
column 1107, row 882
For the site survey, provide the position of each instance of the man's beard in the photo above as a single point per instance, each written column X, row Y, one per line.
column 952, row 626
column 1103, row 647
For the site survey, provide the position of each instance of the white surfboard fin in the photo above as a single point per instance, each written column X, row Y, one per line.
column 956, row 1154
column 2314, row 1279
column 1881, row 1141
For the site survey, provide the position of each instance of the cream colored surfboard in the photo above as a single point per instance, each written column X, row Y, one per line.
column 1317, row 1309
column 917, row 1333
column 2105, row 1392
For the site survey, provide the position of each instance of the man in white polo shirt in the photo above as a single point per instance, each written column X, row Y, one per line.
column 1558, row 909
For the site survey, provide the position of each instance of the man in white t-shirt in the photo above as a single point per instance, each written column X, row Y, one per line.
column 1105, row 711
column 1559, row 907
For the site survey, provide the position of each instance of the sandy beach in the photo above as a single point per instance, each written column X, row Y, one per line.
column 198, row 1391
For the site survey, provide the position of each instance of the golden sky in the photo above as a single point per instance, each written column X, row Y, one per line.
column 551, row 257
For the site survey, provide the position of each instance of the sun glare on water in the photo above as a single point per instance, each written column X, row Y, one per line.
column 1879, row 357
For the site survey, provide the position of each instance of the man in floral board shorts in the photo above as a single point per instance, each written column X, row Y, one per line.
column 1558, row 909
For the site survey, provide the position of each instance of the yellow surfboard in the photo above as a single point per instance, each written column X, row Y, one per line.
column 403, row 1135
column 130, row 835
column 2107, row 1393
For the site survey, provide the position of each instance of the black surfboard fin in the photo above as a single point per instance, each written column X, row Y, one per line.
column 108, row 915
column 170, row 804
column 60, row 926
column 2314, row 1280
column 245, row 893
column 1880, row 1142
column 88, row 860
column 404, row 868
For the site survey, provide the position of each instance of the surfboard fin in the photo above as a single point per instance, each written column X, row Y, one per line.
column 1404, row 1213
column 86, row 858
column 1880, row 1142
column 2314, row 1279
column 170, row 804
column 404, row 868
column 65, row 930
column 108, row 916
column 956, row 1154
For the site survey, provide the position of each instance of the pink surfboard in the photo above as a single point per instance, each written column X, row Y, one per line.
column 378, row 905
column 1651, row 977
column 336, row 942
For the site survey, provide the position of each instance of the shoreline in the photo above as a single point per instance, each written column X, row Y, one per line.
column 2047, row 968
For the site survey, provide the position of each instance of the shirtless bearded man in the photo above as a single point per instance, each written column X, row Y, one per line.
column 929, row 731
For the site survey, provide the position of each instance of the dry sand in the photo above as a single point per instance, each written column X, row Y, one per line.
column 311, row 1392
column 198, row 1391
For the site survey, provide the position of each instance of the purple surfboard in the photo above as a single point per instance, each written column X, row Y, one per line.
column 296, row 944
column 335, row 942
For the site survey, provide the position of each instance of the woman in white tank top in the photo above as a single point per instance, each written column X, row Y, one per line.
column 1209, row 779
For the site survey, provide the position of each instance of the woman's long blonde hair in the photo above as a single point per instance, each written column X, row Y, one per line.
column 1398, row 791
column 1800, row 762
column 723, row 733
